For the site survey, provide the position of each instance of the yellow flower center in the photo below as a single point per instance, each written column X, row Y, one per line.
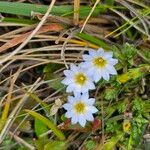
column 80, row 79
column 99, row 62
column 79, row 107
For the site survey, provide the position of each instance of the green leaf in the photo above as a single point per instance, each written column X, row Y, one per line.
column 110, row 93
column 90, row 145
column 93, row 40
column 47, row 122
column 26, row 9
column 113, row 141
column 40, row 127
column 55, row 145
column 19, row 21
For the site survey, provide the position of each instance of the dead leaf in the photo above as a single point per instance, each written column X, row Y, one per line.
column 15, row 41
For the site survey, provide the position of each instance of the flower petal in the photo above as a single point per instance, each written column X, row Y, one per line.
column 85, row 96
column 74, row 119
column 74, row 68
column 67, row 81
column 82, row 120
column 87, row 57
column 108, row 55
column 111, row 69
column 90, row 85
column 112, row 61
column 92, row 109
column 69, row 114
column 67, row 106
column 70, row 88
column 105, row 75
column 97, row 76
column 85, row 64
column 71, row 99
column 90, row 101
column 68, row 73
column 92, row 52
column 89, row 117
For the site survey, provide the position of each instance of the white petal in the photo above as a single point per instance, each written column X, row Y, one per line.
column 85, row 96
column 68, row 73
column 90, row 85
column 90, row 71
column 108, row 55
column 82, row 120
column 77, row 89
column 74, row 67
column 74, row 119
column 69, row 114
column 92, row 109
column 112, row 61
column 111, row 69
column 97, row 76
column 87, row 57
column 89, row 117
column 85, row 64
column 100, row 52
column 67, row 106
column 71, row 99
column 67, row 81
column 84, row 89
column 105, row 75
column 90, row 101
column 70, row 88
column 92, row 52
column 77, row 95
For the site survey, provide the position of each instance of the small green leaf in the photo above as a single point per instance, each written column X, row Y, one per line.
column 40, row 127
column 93, row 40
column 55, row 145
column 90, row 145
column 47, row 122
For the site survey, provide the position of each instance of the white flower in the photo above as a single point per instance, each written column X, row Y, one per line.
column 99, row 64
column 77, row 80
column 80, row 108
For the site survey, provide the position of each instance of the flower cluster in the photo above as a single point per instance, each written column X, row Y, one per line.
column 80, row 79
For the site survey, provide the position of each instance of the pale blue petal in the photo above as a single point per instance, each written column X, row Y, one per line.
column 87, row 57
column 105, row 75
column 74, row 68
column 90, row 101
column 90, row 85
column 112, row 61
column 108, row 55
column 77, row 95
column 82, row 120
column 71, row 99
column 90, row 71
column 92, row 109
column 67, row 81
column 77, row 89
column 69, row 114
column 67, row 106
column 97, row 76
column 70, row 88
column 85, row 64
column 85, row 96
column 74, row 119
column 100, row 52
column 93, row 52
column 68, row 73
column 89, row 117
column 84, row 89
column 111, row 69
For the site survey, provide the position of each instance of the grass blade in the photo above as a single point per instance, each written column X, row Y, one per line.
column 47, row 122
